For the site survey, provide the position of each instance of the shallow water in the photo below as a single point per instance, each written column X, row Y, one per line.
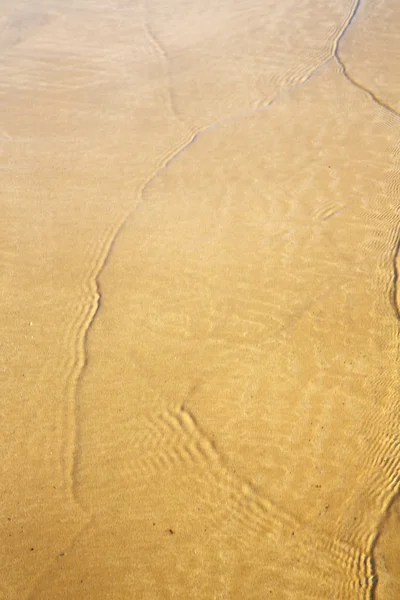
column 199, row 238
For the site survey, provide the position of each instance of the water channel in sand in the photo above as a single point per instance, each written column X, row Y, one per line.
column 199, row 242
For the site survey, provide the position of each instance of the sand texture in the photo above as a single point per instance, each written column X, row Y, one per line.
column 200, row 305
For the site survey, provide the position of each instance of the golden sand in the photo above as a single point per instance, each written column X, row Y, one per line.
column 199, row 240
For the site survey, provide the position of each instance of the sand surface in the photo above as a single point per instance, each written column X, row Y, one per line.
column 200, row 310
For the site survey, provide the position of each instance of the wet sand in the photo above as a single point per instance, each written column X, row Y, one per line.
column 199, row 238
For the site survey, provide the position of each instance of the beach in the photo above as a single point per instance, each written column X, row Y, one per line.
column 200, row 307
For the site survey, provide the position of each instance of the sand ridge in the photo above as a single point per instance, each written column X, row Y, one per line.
column 201, row 317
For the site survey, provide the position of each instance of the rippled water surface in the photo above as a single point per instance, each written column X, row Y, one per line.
column 200, row 306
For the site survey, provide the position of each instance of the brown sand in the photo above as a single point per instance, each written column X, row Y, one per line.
column 199, row 235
